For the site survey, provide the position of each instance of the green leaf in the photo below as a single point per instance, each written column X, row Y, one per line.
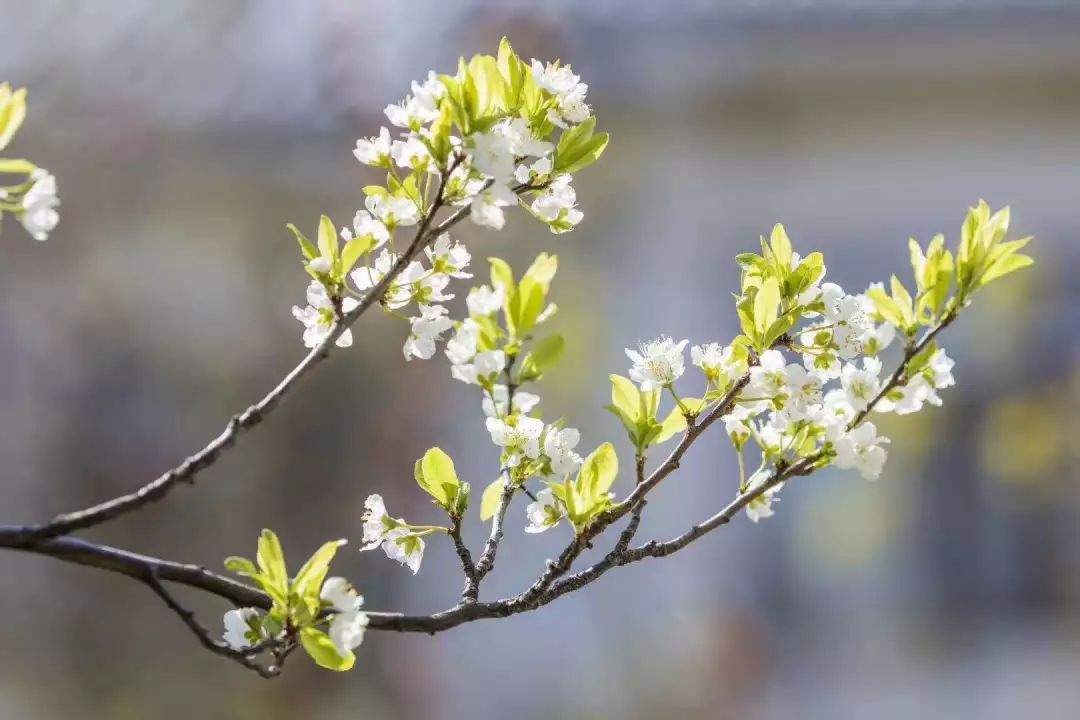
column 437, row 476
column 904, row 303
column 625, row 396
column 321, row 648
column 673, row 424
column 780, row 246
column 306, row 248
column 490, row 86
column 501, row 274
column 531, row 294
column 514, row 72
column 308, row 582
column 11, row 165
column 241, row 566
column 885, row 306
column 353, row 250
column 578, row 147
column 544, row 354
column 920, row 359
column 599, row 470
column 12, row 112
column 766, row 306
column 1006, row 265
column 489, row 501
column 271, row 561
column 328, row 242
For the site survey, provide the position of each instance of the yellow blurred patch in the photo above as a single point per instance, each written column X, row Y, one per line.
column 1024, row 439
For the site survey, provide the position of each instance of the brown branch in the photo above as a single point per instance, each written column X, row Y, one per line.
column 244, row 657
column 467, row 565
column 487, row 558
column 255, row 414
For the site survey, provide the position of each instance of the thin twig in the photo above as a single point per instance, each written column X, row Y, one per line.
column 255, row 414
column 245, row 657
column 487, row 558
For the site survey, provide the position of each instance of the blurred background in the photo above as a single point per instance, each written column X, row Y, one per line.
column 184, row 135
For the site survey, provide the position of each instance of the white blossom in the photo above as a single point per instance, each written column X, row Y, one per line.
column 486, row 207
column 861, row 449
column 761, row 506
column 492, row 155
column 346, row 630
column 318, row 317
column 374, row 150
column 365, row 225
column 835, row 414
column 522, row 140
column 391, row 534
column 657, row 364
column 367, row 277
column 484, row 365
column 568, row 89
column 320, row 265
column 804, row 389
column 736, row 423
column 340, row 595
column 449, row 257
column 922, row 388
column 410, row 153
column 543, row 513
column 535, row 173
column 768, row 380
column 348, row 623
column 430, row 286
column 523, row 402
column 406, row 548
column 861, row 385
column 377, row 522
column 555, row 205
column 715, row 360
column 38, row 214
column 392, row 210
column 461, row 347
column 518, row 436
column 238, row 627
column 559, row 447
column 426, row 329
column 483, row 301
column 419, row 108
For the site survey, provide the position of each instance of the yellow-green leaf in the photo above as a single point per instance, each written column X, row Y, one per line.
column 306, row 248
column 328, row 243
column 673, row 424
column 438, row 477
column 353, row 250
column 321, row 648
column 12, row 112
column 308, row 581
column 625, row 396
column 489, row 501
column 12, row 165
column 271, row 561
column 599, row 470
column 766, row 305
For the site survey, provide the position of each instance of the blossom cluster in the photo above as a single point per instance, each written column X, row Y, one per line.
column 496, row 134
column 800, row 381
column 33, row 200
column 810, row 356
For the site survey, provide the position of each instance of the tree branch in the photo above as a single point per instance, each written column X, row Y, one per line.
column 487, row 558
column 255, row 414
column 244, row 657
